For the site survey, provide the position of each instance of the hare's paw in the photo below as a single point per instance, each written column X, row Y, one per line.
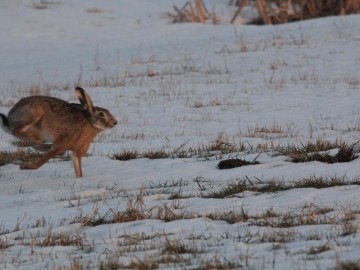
column 28, row 166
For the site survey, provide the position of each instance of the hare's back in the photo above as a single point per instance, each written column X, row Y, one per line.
column 36, row 106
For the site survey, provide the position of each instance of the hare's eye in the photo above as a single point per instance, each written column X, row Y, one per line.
column 102, row 114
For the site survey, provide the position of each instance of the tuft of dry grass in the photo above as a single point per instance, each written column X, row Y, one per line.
column 348, row 265
column 192, row 11
column 156, row 154
column 273, row 131
column 68, row 239
column 126, row 155
column 134, row 211
column 324, row 182
column 309, row 215
column 318, row 151
column 41, row 88
column 238, row 186
column 176, row 247
column 94, row 10
column 216, row 263
column 218, row 147
column 319, row 249
column 113, row 264
column 45, row 4
column 230, row 217
column 134, row 154
column 271, row 236
column 4, row 244
column 272, row 186
column 276, row 12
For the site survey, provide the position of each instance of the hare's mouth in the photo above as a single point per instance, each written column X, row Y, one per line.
column 105, row 125
column 113, row 123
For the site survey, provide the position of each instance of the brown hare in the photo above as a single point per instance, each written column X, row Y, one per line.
column 54, row 125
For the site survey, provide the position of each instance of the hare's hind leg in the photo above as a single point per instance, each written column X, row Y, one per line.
column 29, row 132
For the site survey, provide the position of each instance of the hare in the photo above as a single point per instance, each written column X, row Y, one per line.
column 54, row 125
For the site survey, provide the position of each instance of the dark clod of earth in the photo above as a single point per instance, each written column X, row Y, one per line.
column 235, row 162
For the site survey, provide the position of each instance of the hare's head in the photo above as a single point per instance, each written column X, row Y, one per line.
column 99, row 117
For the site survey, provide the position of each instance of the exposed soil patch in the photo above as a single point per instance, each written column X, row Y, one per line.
column 235, row 162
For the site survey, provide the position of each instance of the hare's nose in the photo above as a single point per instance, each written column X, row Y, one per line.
column 115, row 123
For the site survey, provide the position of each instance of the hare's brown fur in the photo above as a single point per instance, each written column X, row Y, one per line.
column 66, row 126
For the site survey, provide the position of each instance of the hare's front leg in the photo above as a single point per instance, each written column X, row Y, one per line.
column 76, row 157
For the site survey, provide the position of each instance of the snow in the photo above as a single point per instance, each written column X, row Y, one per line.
column 171, row 86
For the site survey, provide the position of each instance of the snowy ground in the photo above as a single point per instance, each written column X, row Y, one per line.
column 182, row 87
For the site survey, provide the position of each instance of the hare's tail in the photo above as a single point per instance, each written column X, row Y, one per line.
column 5, row 122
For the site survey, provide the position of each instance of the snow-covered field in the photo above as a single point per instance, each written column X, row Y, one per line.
column 200, row 94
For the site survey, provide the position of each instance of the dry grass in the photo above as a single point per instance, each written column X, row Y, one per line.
column 156, row 154
column 319, row 249
column 19, row 156
column 94, row 10
column 62, row 240
column 324, row 182
column 270, row 11
column 272, row 226
column 230, row 217
column 268, row 132
column 276, row 12
column 272, row 186
column 41, row 88
column 318, row 151
column 176, row 247
column 126, row 155
column 44, row 4
column 23, row 155
column 192, row 11
column 134, row 154
column 310, row 215
column 4, row 244
column 216, row 263
column 113, row 264
column 134, row 211
column 348, row 265
column 217, row 148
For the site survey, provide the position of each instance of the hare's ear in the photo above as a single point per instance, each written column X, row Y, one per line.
column 84, row 99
